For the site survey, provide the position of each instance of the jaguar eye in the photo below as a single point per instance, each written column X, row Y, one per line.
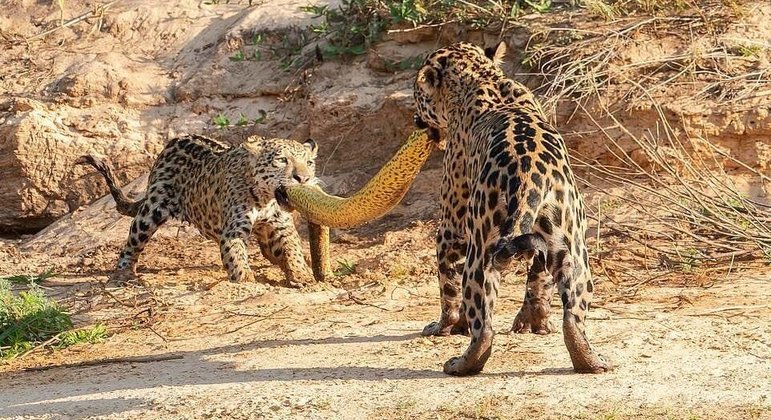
column 311, row 162
column 280, row 161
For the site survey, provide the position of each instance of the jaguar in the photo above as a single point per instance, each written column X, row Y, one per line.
column 507, row 192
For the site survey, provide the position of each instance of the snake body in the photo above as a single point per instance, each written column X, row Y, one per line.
column 318, row 236
column 376, row 198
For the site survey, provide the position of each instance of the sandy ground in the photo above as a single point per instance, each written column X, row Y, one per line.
column 352, row 349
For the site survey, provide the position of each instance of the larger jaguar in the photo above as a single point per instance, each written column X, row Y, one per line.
column 507, row 191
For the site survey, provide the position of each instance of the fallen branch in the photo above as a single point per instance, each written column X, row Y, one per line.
column 131, row 359
column 98, row 11
column 263, row 318
column 361, row 302
column 716, row 311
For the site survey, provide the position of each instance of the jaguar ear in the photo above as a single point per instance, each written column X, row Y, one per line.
column 497, row 53
column 428, row 77
column 312, row 146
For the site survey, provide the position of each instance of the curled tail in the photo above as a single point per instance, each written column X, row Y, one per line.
column 529, row 244
column 123, row 204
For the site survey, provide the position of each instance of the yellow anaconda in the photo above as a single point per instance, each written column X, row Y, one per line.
column 318, row 237
column 376, row 198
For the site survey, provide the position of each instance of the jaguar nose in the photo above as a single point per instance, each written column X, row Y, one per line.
column 302, row 179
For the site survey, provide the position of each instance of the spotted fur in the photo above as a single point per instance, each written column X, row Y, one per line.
column 227, row 193
column 507, row 191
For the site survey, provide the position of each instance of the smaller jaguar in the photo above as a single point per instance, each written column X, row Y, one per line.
column 225, row 192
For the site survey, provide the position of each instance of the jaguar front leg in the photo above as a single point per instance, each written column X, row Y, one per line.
column 451, row 248
column 235, row 256
column 480, row 290
column 280, row 243
column 450, row 251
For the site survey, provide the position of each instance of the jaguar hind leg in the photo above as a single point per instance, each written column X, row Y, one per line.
column 575, row 289
column 147, row 221
column 539, row 288
column 533, row 317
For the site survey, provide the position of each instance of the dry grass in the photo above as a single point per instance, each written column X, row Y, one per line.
column 582, row 64
column 688, row 202
column 686, row 209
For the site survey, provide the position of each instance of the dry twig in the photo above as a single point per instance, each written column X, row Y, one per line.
column 133, row 359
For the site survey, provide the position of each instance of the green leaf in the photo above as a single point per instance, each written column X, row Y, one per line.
column 238, row 56
column 26, row 279
column 242, row 120
column 221, row 121
column 261, row 118
column 357, row 50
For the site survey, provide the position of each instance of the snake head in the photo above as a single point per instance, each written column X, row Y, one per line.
column 433, row 133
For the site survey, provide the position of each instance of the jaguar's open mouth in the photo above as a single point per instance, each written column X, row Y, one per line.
column 419, row 122
column 283, row 199
column 433, row 133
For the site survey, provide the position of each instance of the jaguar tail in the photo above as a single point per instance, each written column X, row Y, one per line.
column 529, row 244
column 123, row 204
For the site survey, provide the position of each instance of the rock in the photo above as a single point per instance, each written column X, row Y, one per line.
column 40, row 182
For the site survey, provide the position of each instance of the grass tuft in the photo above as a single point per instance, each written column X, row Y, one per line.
column 91, row 335
column 344, row 268
column 29, row 320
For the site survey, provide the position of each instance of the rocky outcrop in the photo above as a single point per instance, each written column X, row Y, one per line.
column 38, row 147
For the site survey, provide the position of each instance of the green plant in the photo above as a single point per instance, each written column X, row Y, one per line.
column 221, row 121
column 354, row 26
column 540, row 6
column 766, row 250
column 413, row 63
column 238, row 56
column 316, row 10
column 750, row 50
column 242, row 120
column 27, row 319
column 411, row 11
column 27, row 279
column 351, row 28
column 262, row 117
column 257, row 40
column 344, row 268
column 602, row 9
column 689, row 259
column 90, row 335
column 288, row 50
